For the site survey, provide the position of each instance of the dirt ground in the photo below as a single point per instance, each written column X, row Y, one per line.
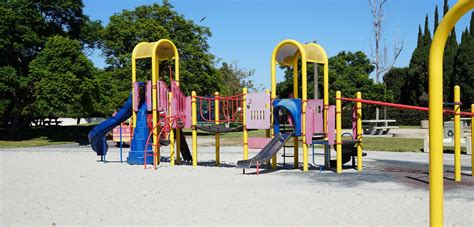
column 67, row 185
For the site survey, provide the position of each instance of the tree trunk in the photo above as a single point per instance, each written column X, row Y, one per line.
column 15, row 123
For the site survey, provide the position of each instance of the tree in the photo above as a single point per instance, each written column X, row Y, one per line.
column 395, row 79
column 415, row 91
column 151, row 23
column 24, row 28
column 380, row 56
column 348, row 73
column 464, row 66
column 235, row 78
column 62, row 76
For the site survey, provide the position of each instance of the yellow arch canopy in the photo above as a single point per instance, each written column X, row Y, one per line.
column 163, row 50
column 287, row 53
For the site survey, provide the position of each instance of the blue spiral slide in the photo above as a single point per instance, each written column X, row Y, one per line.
column 97, row 134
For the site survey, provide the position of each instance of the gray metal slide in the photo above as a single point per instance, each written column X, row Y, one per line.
column 267, row 152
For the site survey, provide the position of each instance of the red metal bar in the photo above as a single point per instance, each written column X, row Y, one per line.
column 257, row 168
column 401, row 106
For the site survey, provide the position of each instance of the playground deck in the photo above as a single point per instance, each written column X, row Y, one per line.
column 61, row 185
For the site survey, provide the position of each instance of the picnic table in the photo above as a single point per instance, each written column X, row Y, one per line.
column 45, row 122
column 377, row 127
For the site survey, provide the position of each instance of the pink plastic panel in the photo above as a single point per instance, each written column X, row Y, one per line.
column 318, row 108
column 148, row 96
column 188, row 113
column 162, row 97
column 258, row 142
column 354, row 123
column 136, row 96
column 331, row 124
column 258, row 111
column 179, row 100
column 310, row 123
column 314, row 119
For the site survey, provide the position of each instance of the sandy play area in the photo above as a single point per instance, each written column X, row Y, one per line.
column 67, row 185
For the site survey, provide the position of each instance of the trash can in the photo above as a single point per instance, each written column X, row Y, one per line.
column 449, row 129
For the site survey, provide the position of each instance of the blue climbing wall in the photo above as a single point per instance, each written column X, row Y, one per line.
column 140, row 135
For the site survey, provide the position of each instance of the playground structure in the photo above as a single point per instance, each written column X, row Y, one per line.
column 156, row 109
column 159, row 113
column 314, row 120
column 306, row 120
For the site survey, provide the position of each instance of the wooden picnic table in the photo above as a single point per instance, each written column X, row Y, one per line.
column 377, row 127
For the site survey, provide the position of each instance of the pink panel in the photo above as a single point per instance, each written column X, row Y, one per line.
column 148, row 96
column 258, row 142
column 188, row 113
column 314, row 119
column 162, row 97
column 331, row 124
column 354, row 123
column 179, row 100
column 258, row 111
column 310, row 123
column 136, row 96
column 317, row 106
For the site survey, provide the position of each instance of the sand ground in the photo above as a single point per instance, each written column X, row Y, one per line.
column 67, row 185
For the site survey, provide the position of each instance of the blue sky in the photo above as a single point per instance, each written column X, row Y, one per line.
column 246, row 31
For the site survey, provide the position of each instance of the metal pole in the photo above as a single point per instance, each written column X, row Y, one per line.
column 436, row 107
column 216, row 120
column 359, row 132
column 194, row 123
column 244, row 122
column 338, row 133
column 295, row 95
column 121, row 142
column 170, row 111
column 457, row 134
column 316, row 84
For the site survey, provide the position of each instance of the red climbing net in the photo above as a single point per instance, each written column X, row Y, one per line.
column 230, row 108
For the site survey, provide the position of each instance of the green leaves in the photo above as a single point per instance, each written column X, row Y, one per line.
column 25, row 26
column 61, row 76
column 154, row 22
column 348, row 73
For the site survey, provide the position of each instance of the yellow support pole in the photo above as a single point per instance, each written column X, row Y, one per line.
column 359, row 132
column 154, row 100
column 244, row 122
column 178, row 132
column 295, row 95
column 338, row 133
column 194, row 123
column 268, row 133
column 436, row 107
column 472, row 140
column 216, row 120
column 304, row 97
column 170, row 97
column 134, row 79
column 178, row 147
column 457, row 134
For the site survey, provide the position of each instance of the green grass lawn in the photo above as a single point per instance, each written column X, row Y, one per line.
column 54, row 135
column 369, row 143
column 42, row 136
column 409, row 126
